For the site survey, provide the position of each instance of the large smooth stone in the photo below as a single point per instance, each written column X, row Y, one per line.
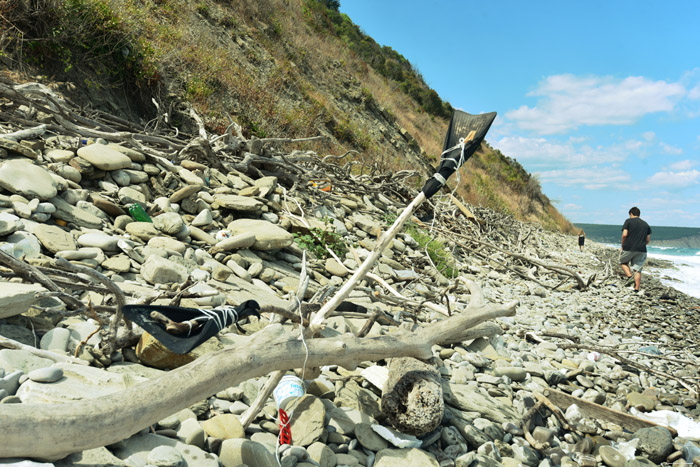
column 99, row 240
column 235, row 452
column 139, row 451
column 169, row 223
column 104, row 157
column 80, row 382
column 143, row 230
column 157, row 270
column 16, row 298
column 54, row 238
column 237, row 242
column 70, row 213
column 413, row 457
column 268, row 236
column 225, row 426
column 49, row 374
column 26, row 179
column 237, row 203
column 56, row 339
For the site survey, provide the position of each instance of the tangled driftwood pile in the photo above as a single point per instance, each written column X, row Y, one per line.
column 207, row 183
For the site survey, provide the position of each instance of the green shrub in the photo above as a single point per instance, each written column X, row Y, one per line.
column 318, row 239
column 441, row 258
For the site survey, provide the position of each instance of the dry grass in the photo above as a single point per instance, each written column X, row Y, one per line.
column 263, row 63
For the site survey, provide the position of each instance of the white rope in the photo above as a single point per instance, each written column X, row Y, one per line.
column 439, row 178
column 222, row 316
column 458, row 162
column 306, row 357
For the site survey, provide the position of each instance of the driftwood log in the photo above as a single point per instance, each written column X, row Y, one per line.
column 599, row 412
column 53, row 431
column 412, row 397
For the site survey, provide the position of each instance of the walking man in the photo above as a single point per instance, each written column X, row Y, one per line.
column 636, row 234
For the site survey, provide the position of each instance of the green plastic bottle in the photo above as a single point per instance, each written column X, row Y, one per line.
column 138, row 213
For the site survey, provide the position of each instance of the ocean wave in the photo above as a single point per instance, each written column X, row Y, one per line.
column 684, row 275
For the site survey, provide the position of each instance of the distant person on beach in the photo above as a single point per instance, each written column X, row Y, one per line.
column 581, row 239
column 636, row 235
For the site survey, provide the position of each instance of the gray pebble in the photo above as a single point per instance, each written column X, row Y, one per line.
column 611, row 456
column 48, row 374
column 165, row 456
column 11, row 400
column 297, row 451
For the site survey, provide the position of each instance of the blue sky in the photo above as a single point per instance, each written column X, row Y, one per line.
column 599, row 99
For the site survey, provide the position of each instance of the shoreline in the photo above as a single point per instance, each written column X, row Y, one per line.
column 655, row 268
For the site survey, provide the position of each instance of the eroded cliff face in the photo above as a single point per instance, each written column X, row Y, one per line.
column 277, row 68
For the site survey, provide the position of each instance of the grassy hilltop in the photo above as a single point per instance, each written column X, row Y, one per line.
column 282, row 68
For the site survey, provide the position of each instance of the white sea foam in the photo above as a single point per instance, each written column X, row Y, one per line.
column 686, row 275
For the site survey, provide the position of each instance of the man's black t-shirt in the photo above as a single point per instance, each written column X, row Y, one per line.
column 637, row 231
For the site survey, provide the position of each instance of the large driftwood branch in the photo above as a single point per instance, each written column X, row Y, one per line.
column 293, row 140
column 59, row 429
column 26, row 133
column 599, row 412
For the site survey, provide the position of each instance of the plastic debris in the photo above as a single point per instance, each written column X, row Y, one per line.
column 627, row 448
column 222, row 235
column 686, row 427
column 573, row 414
column 288, row 389
column 399, row 440
column 138, row 213
column 690, row 451
column 285, row 431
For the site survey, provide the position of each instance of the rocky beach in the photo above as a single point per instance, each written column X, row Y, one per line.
column 563, row 364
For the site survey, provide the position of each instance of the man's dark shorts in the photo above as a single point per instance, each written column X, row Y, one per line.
column 635, row 259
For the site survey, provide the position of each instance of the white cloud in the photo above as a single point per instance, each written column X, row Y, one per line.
column 668, row 149
column 682, row 165
column 567, row 102
column 679, row 179
column 668, row 209
column 544, row 153
column 633, row 145
column 694, row 93
column 649, row 135
column 590, row 178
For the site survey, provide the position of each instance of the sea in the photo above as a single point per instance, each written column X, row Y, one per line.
column 679, row 245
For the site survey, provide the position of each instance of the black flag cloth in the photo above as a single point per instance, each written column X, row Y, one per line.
column 208, row 322
column 464, row 135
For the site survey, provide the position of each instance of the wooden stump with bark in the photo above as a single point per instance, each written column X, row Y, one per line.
column 412, row 397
